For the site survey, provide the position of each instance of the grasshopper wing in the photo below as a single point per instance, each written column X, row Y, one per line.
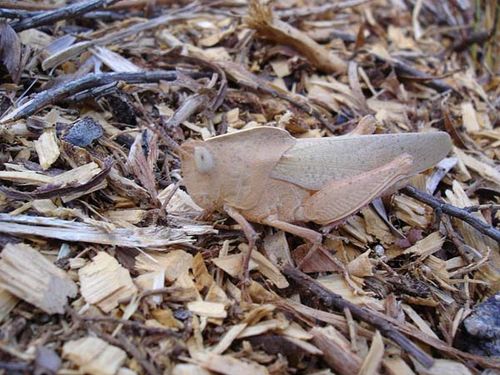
column 313, row 163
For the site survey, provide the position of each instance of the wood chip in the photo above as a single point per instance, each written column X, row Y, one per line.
column 7, row 302
column 427, row 246
column 207, row 309
column 105, row 283
column 47, row 148
column 94, row 356
column 336, row 350
column 227, row 365
column 373, row 359
column 30, row 276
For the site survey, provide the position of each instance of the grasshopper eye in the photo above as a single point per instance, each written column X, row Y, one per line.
column 203, row 159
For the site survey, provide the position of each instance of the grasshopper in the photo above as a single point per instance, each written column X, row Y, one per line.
column 266, row 176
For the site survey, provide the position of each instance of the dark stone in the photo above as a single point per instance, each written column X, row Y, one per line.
column 84, row 132
column 479, row 333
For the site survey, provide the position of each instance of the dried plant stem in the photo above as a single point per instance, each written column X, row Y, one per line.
column 338, row 303
column 67, row 12
column 448, row 209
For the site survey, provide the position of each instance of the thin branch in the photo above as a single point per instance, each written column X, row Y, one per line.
column 17, row 14
column 89, row 81
column 137, row 326
column 321, row 9
column 459, row 213
column 409, row 72
column 67, row 12
column 336, row 302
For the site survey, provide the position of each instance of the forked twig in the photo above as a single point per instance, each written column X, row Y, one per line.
column 87, row 82
column 459, row 213
column 67, row 12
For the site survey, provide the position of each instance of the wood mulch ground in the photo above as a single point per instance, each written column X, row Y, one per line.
column 107, row 266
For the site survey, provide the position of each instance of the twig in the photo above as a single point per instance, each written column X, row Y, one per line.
column 26, row 5
column 30, row 5
column 17, row 14
column 190, row 106
column 67, row 12
column 89, row 81
column 151, row 330
column 460, row 213
column 402, row 69
column 338, row 303
column 479, row 207
column 477, row 37
column 321, row 9
column 15, row 367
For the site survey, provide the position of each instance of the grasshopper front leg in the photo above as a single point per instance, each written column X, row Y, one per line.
column 309, row 235
column 251, row 236
column 315, row 239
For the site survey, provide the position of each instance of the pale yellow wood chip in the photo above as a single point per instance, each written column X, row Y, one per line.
column 228, row 338
column 338, row 285
column 469, row 117
column 94, row 356
column 376, row 226
column 421, row 324
column 30, row 276
column 227, row 365
column 263, row 327
column 396, row 366
column 443, row 367
column 174, row 263
column 483, row 169
column 105, row 282
column 151, row 281
column 269, row 270
column 297, row 332
column 361, row 266
column 47, row 148
column 132, row 216
column 427, row 246
column 304, row 345
column 126, row 371
column 189, row 369
column 231, row 264
column 7, row 302
column 81, row 175
column 207, row 309
column 373, row 360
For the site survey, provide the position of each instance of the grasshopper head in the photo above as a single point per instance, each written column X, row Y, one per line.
column 198, row 166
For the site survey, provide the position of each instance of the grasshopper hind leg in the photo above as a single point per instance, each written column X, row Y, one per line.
column 342, row 198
